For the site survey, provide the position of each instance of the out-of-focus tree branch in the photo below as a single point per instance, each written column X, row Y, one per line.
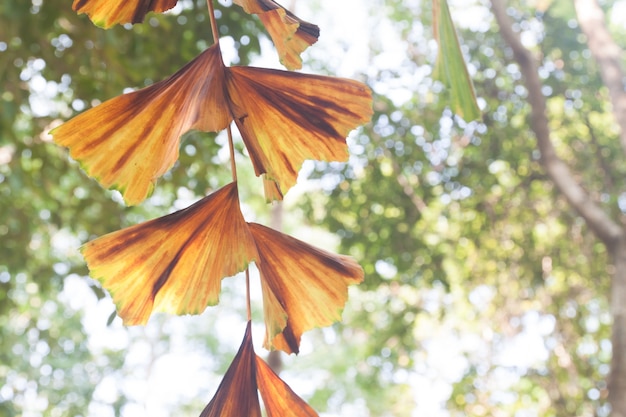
column 558, row 171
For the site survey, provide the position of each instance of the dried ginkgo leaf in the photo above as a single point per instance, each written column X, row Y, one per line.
column 286, row 118
column 237, row 394
column 106, row 13
column 291, row 35
column 174, row 263
column 129, row 141
column 303, row 286
column 278, row 397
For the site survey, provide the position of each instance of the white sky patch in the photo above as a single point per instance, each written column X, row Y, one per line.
column 618, row 14
column 470, row 14
column 344, row 32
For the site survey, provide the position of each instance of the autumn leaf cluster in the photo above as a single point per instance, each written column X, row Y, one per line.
column 175, row 263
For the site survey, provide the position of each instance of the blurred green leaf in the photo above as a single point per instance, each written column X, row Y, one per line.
column 450, row 68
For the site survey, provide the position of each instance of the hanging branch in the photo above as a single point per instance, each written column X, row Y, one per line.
column 303, row 286
column 216, row 35
column 231, row 149
column 248, row 309
column 274, row 357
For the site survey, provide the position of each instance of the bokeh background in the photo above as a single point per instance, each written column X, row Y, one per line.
column 485, row 293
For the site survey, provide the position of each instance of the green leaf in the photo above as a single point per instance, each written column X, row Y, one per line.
column 450, row 68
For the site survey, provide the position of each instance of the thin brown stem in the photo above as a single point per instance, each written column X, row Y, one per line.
column 248, row 308
column 231, row 148
column 216, row 35
column 274, row 358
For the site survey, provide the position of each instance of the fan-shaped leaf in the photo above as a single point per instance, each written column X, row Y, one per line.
column 286, row 118
column 303, row 286
column 174, row 263
column 278, row 397
column 106, row 13
column 237, row 394
column 129, row 141
column 291, row 35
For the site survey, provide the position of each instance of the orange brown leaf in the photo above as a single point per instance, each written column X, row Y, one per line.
column 237, row 394
column 286, row 118
column 174, row 263
column 106, row 13
column 303, row 286
column 129, row 141
column 290, row 34
column 278, row 397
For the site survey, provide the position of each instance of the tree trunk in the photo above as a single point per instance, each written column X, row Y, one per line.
column 609, row 56
column 617, row 381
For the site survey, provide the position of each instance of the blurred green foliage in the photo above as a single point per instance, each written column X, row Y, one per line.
column 438, row 207
column 462, row 237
